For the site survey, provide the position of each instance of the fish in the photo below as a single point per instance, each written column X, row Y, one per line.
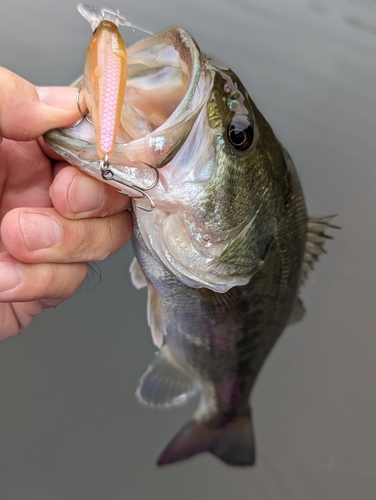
column 222, row 239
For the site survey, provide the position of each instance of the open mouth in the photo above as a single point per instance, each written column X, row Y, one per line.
column 167, row 86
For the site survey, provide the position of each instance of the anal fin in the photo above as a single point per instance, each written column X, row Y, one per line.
column 165, row 384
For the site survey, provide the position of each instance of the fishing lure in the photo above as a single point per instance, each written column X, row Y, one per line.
column 105, row 75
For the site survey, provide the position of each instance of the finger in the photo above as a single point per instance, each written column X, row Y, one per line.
column 77, row 196
column 57, row 166
column 25, row 175
column 53, row 283
column 25, row 114
column 16, row 316
column 42, row 235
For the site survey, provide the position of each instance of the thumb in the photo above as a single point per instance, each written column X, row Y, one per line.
column 27, row 112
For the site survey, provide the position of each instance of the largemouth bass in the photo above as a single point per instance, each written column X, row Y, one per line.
column 222, row 238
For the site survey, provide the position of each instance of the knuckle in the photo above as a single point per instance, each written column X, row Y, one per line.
column 70, row 278
column 82, row 241
column 53, row 281
column 88, row 240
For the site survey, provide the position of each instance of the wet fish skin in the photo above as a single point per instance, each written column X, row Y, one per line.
column 222, row 339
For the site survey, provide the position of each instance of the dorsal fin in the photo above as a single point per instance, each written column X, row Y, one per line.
column 315, row 240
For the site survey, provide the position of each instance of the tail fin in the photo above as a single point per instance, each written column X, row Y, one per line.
column 232, row 442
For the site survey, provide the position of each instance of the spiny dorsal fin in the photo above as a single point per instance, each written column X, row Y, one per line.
column 165, row 384
column 315, row 240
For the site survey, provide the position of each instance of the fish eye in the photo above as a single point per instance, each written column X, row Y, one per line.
column 240, row 133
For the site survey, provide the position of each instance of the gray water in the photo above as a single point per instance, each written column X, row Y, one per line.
column 70, row 427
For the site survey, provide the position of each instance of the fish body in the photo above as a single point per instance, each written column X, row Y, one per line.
column 225, row 248
column 219, row 339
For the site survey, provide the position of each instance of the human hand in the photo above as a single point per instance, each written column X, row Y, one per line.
column 54, row 220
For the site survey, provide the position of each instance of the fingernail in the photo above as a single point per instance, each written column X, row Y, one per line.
column 10, row 275
column 85, row 194
column 58, row 97
column 40, row 231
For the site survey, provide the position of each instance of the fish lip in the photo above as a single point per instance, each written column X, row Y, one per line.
column 79, row 152
column 185, row 45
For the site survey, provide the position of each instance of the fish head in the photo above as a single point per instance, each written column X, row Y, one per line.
column 165, row 91
column 222, row 174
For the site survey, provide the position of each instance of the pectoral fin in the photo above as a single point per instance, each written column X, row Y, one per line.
column 155, row 319
column 165, row 384
column 137, row 275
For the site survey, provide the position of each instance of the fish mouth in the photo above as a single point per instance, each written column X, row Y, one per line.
column 167, row 86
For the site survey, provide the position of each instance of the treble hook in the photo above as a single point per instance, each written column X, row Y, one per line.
column 84, row 114
column 108, row 175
